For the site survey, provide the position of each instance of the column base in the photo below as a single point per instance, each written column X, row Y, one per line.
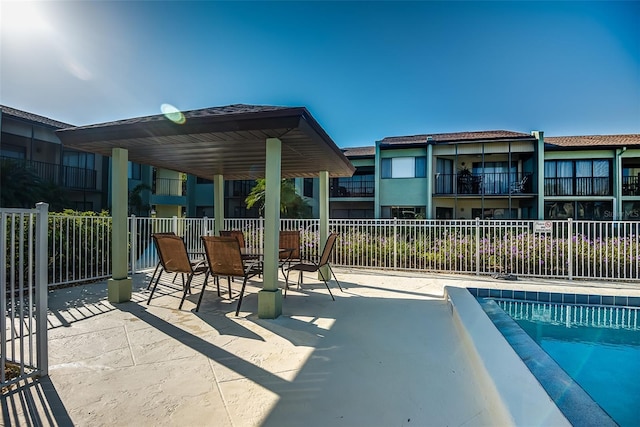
column 269, row 304
column 119, row 290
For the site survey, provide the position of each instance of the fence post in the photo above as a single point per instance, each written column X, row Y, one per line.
column 477, row 246
column 395, row 243
column 42, row 287
column 205, row 230
column 570, row 247
column 174, row 225
column 133, row 237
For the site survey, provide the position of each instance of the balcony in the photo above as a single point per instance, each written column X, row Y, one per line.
column 483, row 184
column 69, row 177
column 169, row 187
column 581, row 186
column 630, row 186
column 345, row 188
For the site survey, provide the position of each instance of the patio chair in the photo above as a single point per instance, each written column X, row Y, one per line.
column 313, row 266
column 289, row 244
column 174, row 259
column 239, row 236
column 224, row 259
column 519, row 186
column 159, row 264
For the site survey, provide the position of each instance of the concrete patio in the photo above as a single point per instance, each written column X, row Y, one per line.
column 385, row 353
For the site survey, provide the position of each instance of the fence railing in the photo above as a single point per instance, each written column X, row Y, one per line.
column 23, row 273
column 80, row 247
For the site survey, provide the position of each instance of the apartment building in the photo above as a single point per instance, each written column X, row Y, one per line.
column 31, row 141
column 493, row 174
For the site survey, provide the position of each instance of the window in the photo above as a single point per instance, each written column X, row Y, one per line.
column 577, row 178
column 444, row 213
column 578, row 210
column 496, row 176
column 494, row 213
column 307, row 190
column 13, row 151
column 135, row 171
column 403, row 212
column 78, row 159
column 404, row 167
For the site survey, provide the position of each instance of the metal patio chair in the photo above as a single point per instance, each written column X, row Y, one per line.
column 224, row 259
column 174, row 258
column 313, row 266
column 289, row 245
column 519, row 186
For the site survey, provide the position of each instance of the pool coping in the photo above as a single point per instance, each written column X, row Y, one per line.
column 572, row 400
column 512, row 394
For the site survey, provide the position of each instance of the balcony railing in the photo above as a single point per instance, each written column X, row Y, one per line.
column 580, row 186
column 353, row 189
column 169, row 187
column 630, row 186
column 483, row 184
column 70, row 177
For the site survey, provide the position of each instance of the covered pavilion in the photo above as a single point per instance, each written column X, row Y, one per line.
column 219, row 143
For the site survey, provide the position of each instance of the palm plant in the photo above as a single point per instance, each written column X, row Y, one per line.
column 291, row 204
column 21, row 186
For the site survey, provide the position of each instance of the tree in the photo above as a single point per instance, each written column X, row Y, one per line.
column 20, row 185
column 23, row 188
column 136, row 205
column 292, row 205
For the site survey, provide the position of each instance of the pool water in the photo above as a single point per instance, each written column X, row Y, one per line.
column 598, row 346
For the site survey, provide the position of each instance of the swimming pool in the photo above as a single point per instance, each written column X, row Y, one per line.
column 597, row 345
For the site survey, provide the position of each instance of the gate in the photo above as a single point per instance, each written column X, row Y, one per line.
column 23, row 299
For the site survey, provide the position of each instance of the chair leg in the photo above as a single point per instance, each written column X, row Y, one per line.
column 229, row 284
column 326, row 284
column 187, row 287
column 334, row 276
column 286, row 283
column 244, row 283
column 154, row 287
column 204, row 285
column 153, row 276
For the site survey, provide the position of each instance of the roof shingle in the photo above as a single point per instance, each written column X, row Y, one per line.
column 14, row 112
column 445, row 138
column 592, row 140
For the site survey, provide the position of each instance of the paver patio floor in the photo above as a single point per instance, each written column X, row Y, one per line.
column 385, row 353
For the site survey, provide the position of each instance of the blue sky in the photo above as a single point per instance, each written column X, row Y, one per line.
column 365, row 70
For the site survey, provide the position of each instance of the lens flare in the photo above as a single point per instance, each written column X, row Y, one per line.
column 173, row 114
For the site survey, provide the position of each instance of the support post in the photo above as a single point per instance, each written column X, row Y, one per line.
column 42, row 287
column 324, row 218
column 119, row 286
column 540, row 172
column 218, row 204
column 430, row 182
column 270, row 297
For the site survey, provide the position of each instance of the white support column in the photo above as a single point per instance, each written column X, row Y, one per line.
column 218, row 204
column 617, row 184
column 270, row 297
column 119, row 286
column 430, row 182
column 540, row 150
column 324, row 217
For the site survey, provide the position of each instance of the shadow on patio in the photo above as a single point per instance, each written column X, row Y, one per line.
column 385, row 352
